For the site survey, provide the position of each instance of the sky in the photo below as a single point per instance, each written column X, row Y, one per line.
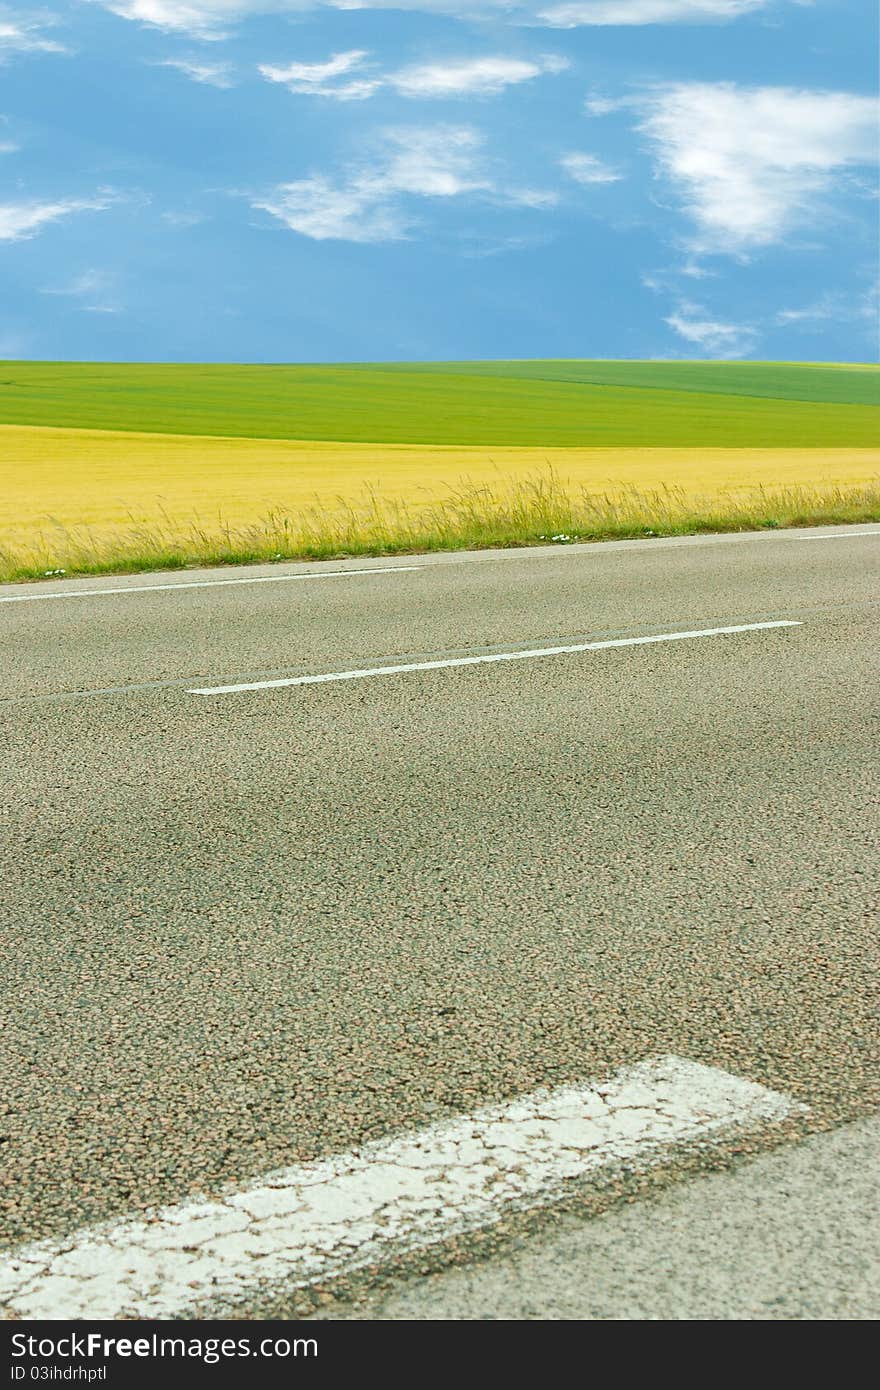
column 369, row 180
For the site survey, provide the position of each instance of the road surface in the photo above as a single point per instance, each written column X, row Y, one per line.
column 255, row 922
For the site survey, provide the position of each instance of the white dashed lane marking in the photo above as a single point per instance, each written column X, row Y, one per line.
column 527, row 655
column 333, row 1216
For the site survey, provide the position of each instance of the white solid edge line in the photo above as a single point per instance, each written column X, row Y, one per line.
column 318, row 1220
column 483, row 660
column 211, row 583
column 839, row 536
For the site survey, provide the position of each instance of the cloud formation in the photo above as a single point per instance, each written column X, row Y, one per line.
column 466, row 77
column 750, row 164
column 19, row 221
column 574, row 13
column 212, row 74
column 321, row 79
column 836, row 305
column 201, row 19
column 213, row 19
column 22, row 33
column 369, row 202
column 364, row 205
column 713, row 337
column 587, row 169
column 472, row 76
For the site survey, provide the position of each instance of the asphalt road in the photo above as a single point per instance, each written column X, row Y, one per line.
column 245, row 931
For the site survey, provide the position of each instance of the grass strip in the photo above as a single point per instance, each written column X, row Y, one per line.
column 533, row 511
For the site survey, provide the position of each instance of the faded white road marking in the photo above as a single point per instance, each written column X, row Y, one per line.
column 338, row 1214
column 209, row 583
column 839, row 536
column 482, row 660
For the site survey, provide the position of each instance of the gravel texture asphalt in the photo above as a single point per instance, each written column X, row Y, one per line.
column 244, row 931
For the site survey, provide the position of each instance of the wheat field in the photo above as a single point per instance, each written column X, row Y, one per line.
column 96, row 500
column 109, row 481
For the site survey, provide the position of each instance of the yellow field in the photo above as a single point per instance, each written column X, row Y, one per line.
column 109, row 482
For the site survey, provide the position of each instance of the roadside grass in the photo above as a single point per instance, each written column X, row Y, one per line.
column 532, row 511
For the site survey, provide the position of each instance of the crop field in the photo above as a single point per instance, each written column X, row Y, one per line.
column 117, row 466
column 518, row 404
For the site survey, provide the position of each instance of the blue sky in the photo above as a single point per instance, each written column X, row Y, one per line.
column 353, row 180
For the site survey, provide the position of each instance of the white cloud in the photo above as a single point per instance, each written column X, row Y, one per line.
column 834, row 305
column 472, row 76
column 324, row 210
column 574, row 13
column 749, row 164
column 212, row 19
column 21, row 220
column 667, row 279
column 530, row 197
column 26, row 34
column 366, row 203
column 94, row 289
column 317, row 79
column 213, row 74
column 713, row 337
column 824, row 308
column 587, row 169
column 598, row 105
column 357, row 90
column 316, row 74
column 202, row 19
column 434, row 161
column 468, row 77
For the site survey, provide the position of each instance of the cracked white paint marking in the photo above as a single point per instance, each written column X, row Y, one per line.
column 321, row 1219
column 528, row 655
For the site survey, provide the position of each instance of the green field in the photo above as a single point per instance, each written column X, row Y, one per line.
column 542, row 403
